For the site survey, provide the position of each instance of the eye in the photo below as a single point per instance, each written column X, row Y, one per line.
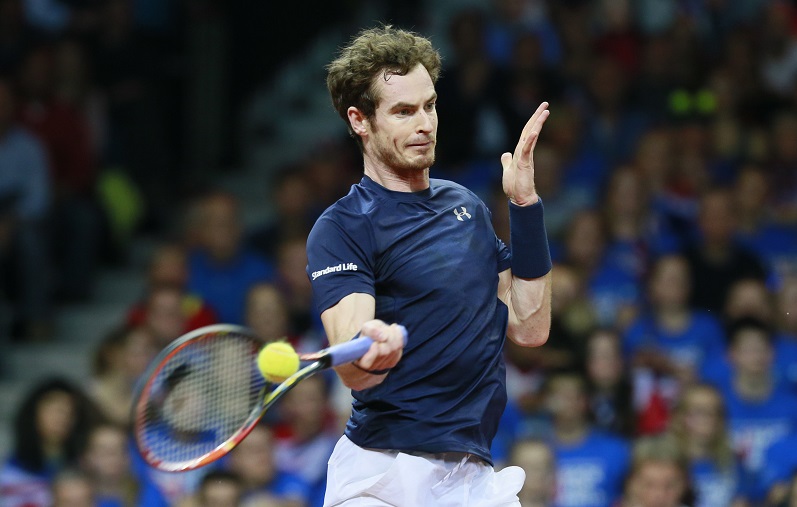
column 404, row 112
column 431, row 106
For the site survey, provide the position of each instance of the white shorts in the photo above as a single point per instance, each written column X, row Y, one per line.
column 376, row 478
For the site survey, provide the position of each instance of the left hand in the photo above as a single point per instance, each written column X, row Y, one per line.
column 518, row 178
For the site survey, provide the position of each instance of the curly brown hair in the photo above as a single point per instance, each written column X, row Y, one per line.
column 385, row 51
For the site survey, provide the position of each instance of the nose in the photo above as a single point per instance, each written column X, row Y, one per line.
column 425, row 122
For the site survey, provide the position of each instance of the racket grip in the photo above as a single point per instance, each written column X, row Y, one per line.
column 355, row 349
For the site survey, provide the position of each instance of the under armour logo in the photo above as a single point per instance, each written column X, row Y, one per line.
column 463, row 213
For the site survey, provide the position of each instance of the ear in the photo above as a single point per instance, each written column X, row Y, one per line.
column 358, row 121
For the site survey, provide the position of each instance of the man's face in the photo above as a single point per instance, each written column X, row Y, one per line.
column 402, row 134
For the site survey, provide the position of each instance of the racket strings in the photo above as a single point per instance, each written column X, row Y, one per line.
column 201, row 397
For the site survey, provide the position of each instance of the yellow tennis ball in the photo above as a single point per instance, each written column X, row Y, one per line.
column 277, row 361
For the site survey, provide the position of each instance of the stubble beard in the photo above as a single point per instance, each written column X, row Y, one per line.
column 404, row 164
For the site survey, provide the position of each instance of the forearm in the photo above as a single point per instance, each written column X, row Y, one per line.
column 357, row 379
column 529, row 287
column 350, row 318
column 352, row 377
column 529, row 304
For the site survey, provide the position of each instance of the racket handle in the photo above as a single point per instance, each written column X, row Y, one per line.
column 355, row 349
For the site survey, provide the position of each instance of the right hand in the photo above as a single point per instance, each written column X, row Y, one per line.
column 388, row 346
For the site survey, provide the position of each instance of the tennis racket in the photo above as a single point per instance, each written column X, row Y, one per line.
column 203, row 394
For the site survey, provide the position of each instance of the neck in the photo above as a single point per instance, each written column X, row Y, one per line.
column 52, row 450
column 697, row 449
column 753, row 386
column 391, row 179
column 570, row 432
column 625, row 227
column 716, row 252
column 673, row 318
column 306, row 432
column 748, row 222
column 109, row 486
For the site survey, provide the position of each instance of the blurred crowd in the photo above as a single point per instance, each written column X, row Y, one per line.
column 668, row 169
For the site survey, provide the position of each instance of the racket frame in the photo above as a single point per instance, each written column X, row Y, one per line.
column 332, row 356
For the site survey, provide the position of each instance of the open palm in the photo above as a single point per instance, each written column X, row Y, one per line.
column 518, row 177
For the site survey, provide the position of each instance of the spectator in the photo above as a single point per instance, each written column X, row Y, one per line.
column 782, row 164
column 536, row 458
column 292, row 215
column 165, row 314
column 169, row 267
column 629, row 244
column 611, row 291
column 74, row 86
column 267, row 313
column 750, row 298
column 699, row 430
column 527, row 367
column 72, row 488
column 786, row 325
column 24, row 208
column 128, row 67
column 716, row 260
column 120, row 361
column 217, row 489
column 510, row 20
column 49, row 431
column 63, row 130
column 659, row 476
column 579, row 161
column 791, row 499
column 759, row 411
column 106, row 463
column 780, row 469
column 221, row 270
column 672, row 213
column 670, row 343
column 774, row 243
column 778, row 49
column 465, row 89
column 253, row 462
column 562, row 201
column 612, row 126
column 610, row 392
column 295, row 286
column 572, row 314
column 590, row 464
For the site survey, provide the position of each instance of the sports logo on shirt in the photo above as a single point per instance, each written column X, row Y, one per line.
column 349, row 266
column 463, row 213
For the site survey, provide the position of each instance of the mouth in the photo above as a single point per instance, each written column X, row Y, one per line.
column 421, row 145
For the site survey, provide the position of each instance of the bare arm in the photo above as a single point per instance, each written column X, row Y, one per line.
column 529, row 303
column 354, row 315
column 528, row 299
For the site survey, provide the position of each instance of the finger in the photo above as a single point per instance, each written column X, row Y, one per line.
column 506, row 160
column 374, row 329
column 534, row 135
column 367, row 361
column 524, row 134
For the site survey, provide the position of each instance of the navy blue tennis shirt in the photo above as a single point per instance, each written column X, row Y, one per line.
column 431, row 260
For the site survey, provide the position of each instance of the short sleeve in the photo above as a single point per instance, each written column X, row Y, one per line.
column 339, row 259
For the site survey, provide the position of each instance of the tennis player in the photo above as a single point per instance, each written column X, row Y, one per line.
column 402, row 247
